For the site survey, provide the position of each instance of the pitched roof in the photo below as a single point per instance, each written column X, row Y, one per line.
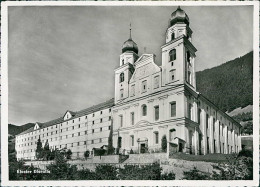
column 26, row 131
column 95, row 108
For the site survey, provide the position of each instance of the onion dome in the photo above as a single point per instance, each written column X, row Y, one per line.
column 179, row 16
column 130, row 45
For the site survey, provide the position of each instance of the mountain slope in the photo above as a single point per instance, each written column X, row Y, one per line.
column 14, row 130
column 229, row 85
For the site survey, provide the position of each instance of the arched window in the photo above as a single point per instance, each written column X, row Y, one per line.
column 144, row 110
column 122, row 77
column 188, row 56
column 172, row 55
column 123, row 61
column 173, row 36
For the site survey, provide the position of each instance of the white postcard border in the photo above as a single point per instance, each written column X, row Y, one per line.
column 4, row 99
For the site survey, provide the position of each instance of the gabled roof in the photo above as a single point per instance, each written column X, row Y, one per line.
column 144, row 66
column 68, row 114
column 95, row 108
column 26, row 131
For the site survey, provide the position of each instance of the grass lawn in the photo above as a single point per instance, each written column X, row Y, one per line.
column 217, row 157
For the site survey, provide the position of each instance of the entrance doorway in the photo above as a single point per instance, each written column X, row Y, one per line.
column 200, row 140
column 190, row 141
column 180, row 147
column 142, row 148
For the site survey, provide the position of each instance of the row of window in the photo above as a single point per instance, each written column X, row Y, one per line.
column 156, row 138
column 100, row 140
column 172, row 56
column 221, row 132
column 73, row 121
column 172, row 77
column 61, row 130
column 72, row 135
column 144, row 113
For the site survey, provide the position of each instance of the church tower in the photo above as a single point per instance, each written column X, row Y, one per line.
column 126, row 69
column 178, row 53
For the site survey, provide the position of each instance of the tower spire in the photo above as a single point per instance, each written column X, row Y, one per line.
column 130, row 31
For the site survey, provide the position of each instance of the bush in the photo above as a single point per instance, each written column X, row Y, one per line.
column 68, row 154
column 60, row 169
column 19, row 165
column 99, row 152
column 86, row 154
column 131, row 151
column 195, row 174
column 246, row 153
column 86, row 174
column 164, row 143
column 168, row 176
column 136, row 172
column 240, row 168
column 106, row 172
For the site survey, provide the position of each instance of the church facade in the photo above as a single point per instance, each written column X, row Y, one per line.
column 152, row 103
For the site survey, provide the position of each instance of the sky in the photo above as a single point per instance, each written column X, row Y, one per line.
column 63, row 58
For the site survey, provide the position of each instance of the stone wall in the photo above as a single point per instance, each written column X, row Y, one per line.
column 145, row 158
column 168, row 165
column 179, row 166
column 89, row 163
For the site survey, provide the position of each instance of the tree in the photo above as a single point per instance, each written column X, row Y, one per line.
column 39, row 150
column 236, row 168
column 52, row 154
column 248, row 128
column 46, row 151
column 60, row 169
column 106, row 172
column 164, row 143
column 110, row 148
column 68, row 154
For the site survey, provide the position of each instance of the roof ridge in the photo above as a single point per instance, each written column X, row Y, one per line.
column 79, row 113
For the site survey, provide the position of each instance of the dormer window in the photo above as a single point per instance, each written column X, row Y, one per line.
column 68, row 115
column 172, row 55
column 36, row 126
column 122, row 78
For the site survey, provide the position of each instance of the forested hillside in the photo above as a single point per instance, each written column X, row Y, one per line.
column 14, row 130
column 229, row 85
